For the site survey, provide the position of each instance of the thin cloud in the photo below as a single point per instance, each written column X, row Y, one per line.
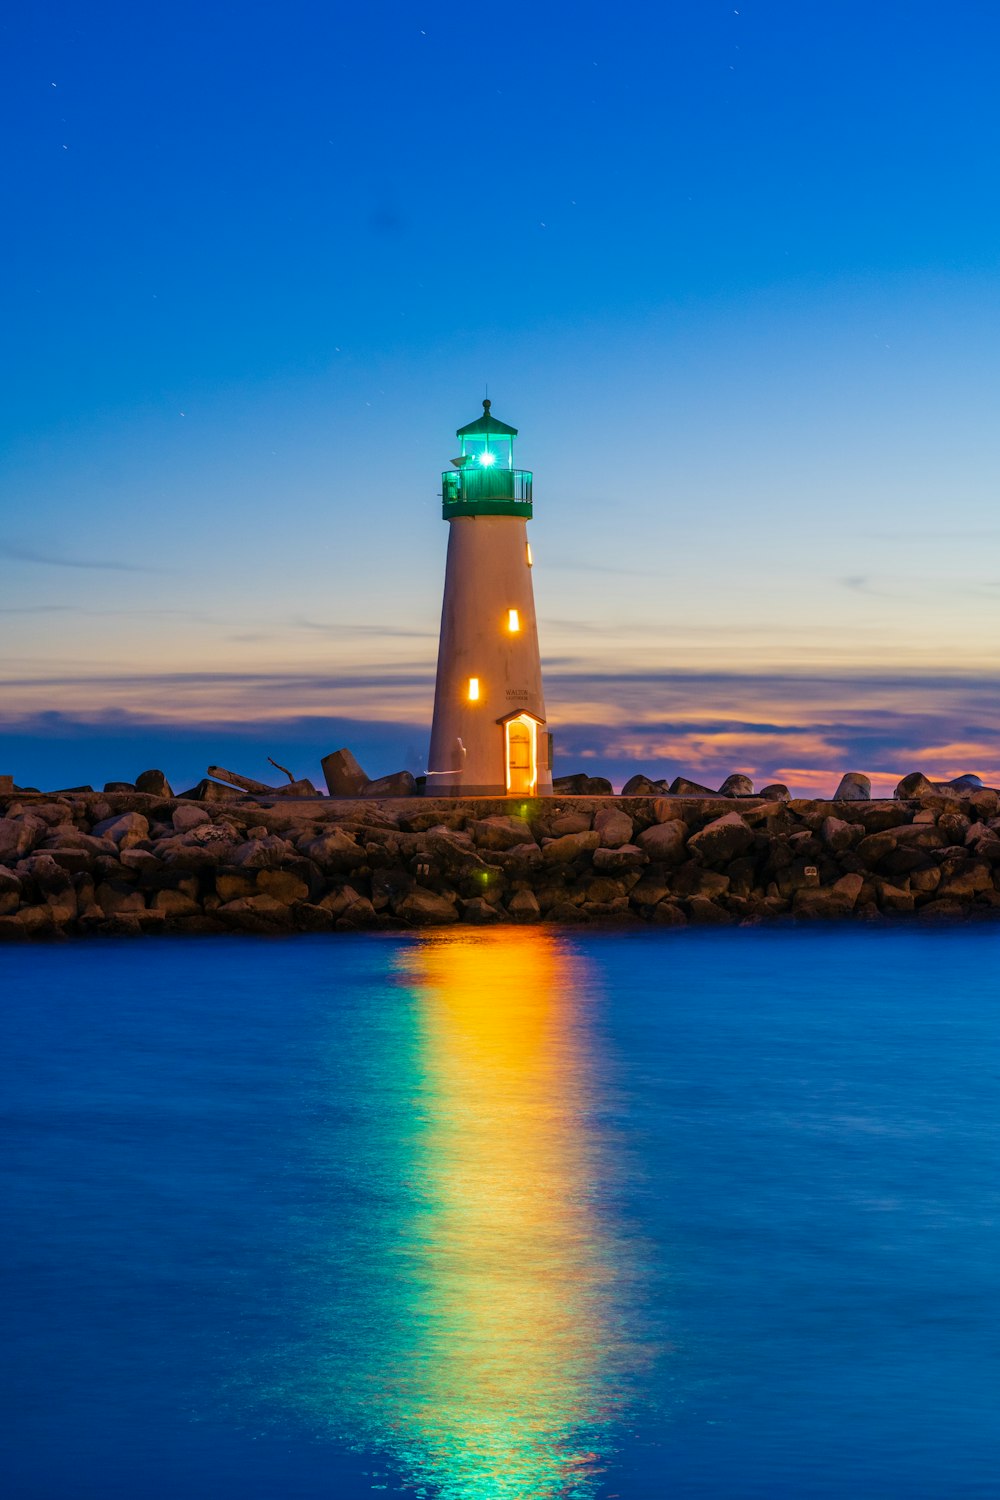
column 560, row 565
column 18, row 552
column 100, row 614
column 327, row 628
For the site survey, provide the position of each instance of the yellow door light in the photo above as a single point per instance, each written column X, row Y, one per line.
column 513, row 620
column 473, row 689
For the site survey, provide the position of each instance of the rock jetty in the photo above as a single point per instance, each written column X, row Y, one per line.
column 136, row 862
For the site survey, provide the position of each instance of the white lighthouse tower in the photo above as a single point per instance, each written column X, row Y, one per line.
column 489, row 736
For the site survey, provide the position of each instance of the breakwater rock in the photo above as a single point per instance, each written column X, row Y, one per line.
column 133, row 863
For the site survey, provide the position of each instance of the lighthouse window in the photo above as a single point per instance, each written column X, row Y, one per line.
column 473, row 689
column 513, row 620
column 530, row 558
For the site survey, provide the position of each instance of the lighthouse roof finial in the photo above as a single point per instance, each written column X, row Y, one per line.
column 487, row 425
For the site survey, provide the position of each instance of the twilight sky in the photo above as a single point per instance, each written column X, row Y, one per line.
column 732, row 271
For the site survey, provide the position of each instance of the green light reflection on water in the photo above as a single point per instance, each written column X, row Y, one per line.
column 478, row 1331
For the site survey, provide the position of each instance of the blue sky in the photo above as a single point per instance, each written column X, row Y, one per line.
column 732, row 271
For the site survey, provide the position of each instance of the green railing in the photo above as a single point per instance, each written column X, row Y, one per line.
column 474, row 491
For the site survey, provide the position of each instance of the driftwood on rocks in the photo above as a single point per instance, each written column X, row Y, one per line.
column 246, row 783
column 271, row 761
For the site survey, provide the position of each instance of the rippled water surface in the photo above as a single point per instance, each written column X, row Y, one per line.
column 503, row 1215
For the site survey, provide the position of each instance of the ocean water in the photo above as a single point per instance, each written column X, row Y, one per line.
column 503, row 1215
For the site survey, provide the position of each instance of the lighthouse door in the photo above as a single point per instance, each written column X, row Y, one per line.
column 521, row 773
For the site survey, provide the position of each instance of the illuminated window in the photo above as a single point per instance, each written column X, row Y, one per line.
column 513, row 620
column 473, row 689
column 530, row 558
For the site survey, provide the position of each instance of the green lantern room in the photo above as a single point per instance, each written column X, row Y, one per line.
column 483, row 480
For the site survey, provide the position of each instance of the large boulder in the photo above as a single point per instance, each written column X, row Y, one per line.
column 124, row 830
column 212, row 791
column 399, row 784
column 682, row 787
column 967, row 881
column 618, row 861
column 649, row 890
column 704, row 911
column 334, row 852
column 153, row 782
column 724, row 838
column 10, row 892
column 581, row 785
column 614, row 826
column 664, row 843
column 344, row 777
column 478, row 911
column 836, row 900
column 501, row 832
column 523, row 907
column 966, row 783
column 944, row 911
column 174, row 904
column 569, row 847
column 641, row 786
column 44, row 873
column 283, row 885
column 185, row 818
column 893, row 897
column 115, row 898
column 453, row 851
column 915, row 786
column 736, row 785
column 255, row 914
column 263, row 853
column 569, row 822
column 854, row 787
column 18, row 836
column 838, row 835
column 692, row 879
column 775, row 791
column 570, row 786
column 521, row 860
column 55, row 814
column 874, row 847
column 426, row 908
column 668, row 914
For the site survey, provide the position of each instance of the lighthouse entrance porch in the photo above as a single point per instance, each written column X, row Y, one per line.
column 521, row 743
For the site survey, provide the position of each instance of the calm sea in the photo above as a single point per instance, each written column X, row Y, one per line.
column 503, row 1215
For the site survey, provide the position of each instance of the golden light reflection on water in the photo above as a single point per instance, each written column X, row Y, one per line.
column 512, row 1365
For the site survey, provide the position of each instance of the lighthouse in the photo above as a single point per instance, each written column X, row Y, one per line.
column 489, row 737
